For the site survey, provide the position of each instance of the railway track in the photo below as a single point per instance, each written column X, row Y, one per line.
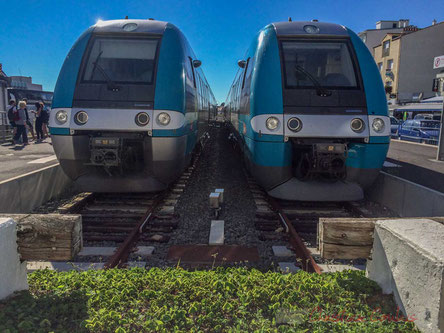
column 122, row 220
column 295, row 222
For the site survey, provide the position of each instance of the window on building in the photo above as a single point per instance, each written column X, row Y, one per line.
column 386, row 48
column 389, row 64
column 380, row 66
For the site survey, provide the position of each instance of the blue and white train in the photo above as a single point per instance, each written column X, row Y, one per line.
column 130, row 105
column 309, row 108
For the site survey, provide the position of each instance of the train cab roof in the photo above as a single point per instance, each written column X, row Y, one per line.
column 137, row 26
column 309, row 28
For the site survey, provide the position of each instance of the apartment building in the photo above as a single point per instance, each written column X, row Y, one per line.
column 405, row 61
column 373, row 37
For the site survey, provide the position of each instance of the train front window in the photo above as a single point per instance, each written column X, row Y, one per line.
column 326, row 64
column 121, row 61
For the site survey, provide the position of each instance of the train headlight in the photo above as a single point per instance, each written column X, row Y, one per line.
column 61, row 116
column 142, row 119
column 311, row 29
column 378, row 125
column 81, row 118
column 357, row 125
column 272, row 123
column 294, row 124
column 163, row 118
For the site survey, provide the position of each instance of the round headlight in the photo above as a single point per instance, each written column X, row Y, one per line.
column 272, row 123
column 163, row 118
column 311, row 29
column 378, row 125
column 357, row 125
column 81, row 118
column 61, row 116
column 294, row 124
column 142, row 119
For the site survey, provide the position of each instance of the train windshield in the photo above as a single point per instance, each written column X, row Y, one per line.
column 311, row 64
column 121, row 61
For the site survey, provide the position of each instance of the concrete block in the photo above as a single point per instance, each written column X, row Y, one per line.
column 166, row 210
column 17, row 195
column 326, row 268
column 12, row 271
column 221, row 197
column 288, row 267
column 282, row 251
column 144, row 251
column 216, row 232
column 134, row 264
column 101, row 251
column 63, row 266
column 408, row 261
column 214, row 200
column 406, row 198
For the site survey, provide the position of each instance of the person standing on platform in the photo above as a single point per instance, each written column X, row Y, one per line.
column 11, row 110
column 45, row 120
column 38, row 121
column 28, row 123
column 20, row 117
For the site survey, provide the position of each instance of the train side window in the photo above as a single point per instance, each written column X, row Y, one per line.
column 245, row 73
column 192, row 69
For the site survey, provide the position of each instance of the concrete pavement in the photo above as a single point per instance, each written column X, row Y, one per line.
column 415, row 162
column 19, row 160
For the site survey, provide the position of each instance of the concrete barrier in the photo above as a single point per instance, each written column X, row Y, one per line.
column 12, row 271
column 24, row 193
column 406, row 198
column 408, row 261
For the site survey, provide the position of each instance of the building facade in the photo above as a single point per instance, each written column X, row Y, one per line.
column 24, row 82
column 418, row 51
column 373, row 37
column 4, row 81
column 386, row 56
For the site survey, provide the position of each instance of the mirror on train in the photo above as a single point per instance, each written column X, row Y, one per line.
column 197, row 63
column 241, row 63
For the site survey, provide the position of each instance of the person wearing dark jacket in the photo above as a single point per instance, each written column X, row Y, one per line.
column 11, row 109
column 39, row 115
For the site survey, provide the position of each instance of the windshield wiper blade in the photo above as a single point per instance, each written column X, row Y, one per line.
column 111, row 85
column 320, row 90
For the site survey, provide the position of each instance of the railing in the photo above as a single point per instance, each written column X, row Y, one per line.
column 5, row 128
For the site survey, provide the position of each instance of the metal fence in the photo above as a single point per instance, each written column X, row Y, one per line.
column 5, row 128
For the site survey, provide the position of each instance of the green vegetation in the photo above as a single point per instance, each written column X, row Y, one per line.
column 223, row 299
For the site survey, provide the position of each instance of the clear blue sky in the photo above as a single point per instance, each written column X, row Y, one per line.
column 35, row 36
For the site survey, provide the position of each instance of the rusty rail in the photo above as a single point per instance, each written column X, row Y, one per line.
column 308, row 263
column 120, row 257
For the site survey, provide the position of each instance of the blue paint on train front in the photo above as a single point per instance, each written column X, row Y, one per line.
column 271, row 156
column 66, row 82
column 170, row 94
column 149, row 156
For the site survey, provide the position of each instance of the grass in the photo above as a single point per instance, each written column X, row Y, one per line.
column 219, row 300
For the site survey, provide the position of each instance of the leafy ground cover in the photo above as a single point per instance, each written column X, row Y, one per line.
column 221, row 300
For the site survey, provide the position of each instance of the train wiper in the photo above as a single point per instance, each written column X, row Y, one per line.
column 320, row 90
column 111, row 85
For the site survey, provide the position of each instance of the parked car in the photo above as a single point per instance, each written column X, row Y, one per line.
column 423, row 116
column 394, row 125
column 420, row 131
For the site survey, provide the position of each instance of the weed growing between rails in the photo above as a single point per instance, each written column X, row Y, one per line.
column 221, row 299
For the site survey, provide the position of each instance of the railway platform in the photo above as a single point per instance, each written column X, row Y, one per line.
column 19, row 160
column 415, row 162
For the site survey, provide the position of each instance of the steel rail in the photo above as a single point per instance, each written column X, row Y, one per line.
column 120, row 256
column 308, row 263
